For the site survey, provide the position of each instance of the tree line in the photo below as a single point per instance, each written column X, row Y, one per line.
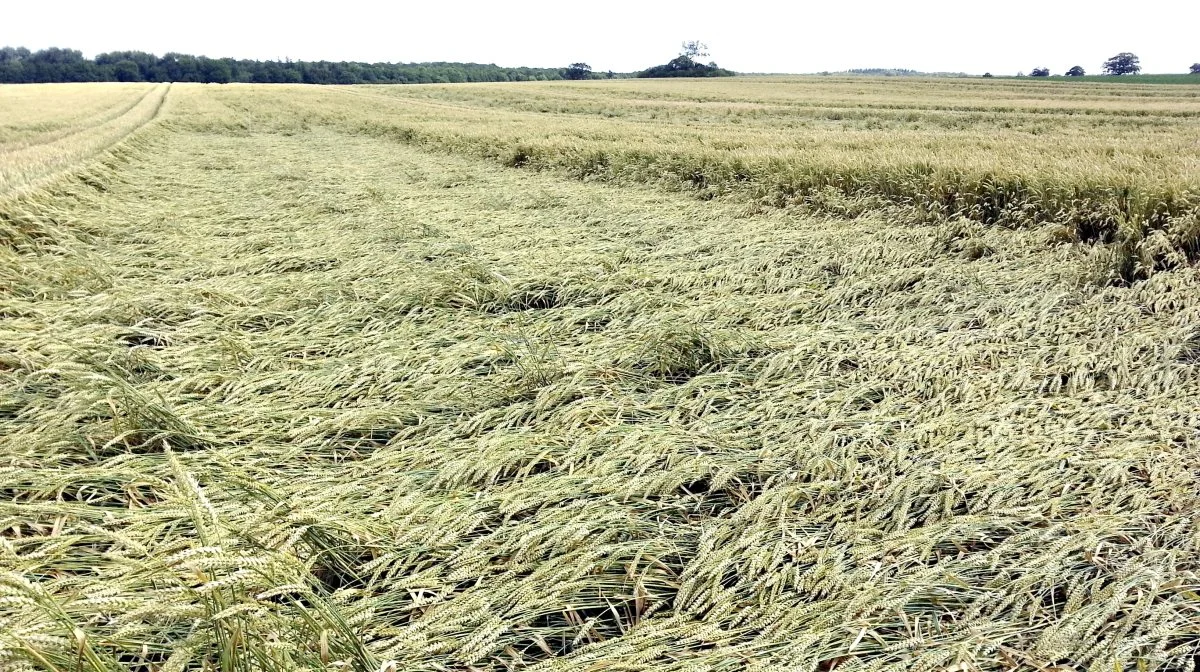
column 1124, row 63
column 19, row 65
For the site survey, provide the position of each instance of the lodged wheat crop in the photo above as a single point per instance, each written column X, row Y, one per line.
column 1108, row 164
column 308, row 378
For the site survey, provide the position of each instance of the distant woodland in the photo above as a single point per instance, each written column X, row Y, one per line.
column 20, row 65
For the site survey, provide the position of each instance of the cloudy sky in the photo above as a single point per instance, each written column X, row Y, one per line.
column 622, row 35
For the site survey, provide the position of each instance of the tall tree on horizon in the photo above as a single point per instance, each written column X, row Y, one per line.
column 1124, row 63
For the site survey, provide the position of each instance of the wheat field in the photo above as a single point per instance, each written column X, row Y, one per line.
column 759, row 374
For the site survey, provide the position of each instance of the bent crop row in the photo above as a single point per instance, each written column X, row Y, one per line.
column 1110, row 165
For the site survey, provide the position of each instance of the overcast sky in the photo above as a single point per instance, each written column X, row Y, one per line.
column 623, row 35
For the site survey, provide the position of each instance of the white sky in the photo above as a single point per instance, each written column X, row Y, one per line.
column 623, row 35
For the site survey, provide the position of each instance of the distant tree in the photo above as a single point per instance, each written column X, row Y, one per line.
column 1076, row 71
column 179, row 67
column 147, row 66
column 12, row 68
column 686, row 65
column 58, row 65
column 682, row 66
column 578, row 71
column 1196, row 68
column 1040, row 72
column 1020, row 74
column 1123, row 63
column 8, row 54
column 214, row 71
column 126, row 71
column 987, row 75
column 695, row 49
